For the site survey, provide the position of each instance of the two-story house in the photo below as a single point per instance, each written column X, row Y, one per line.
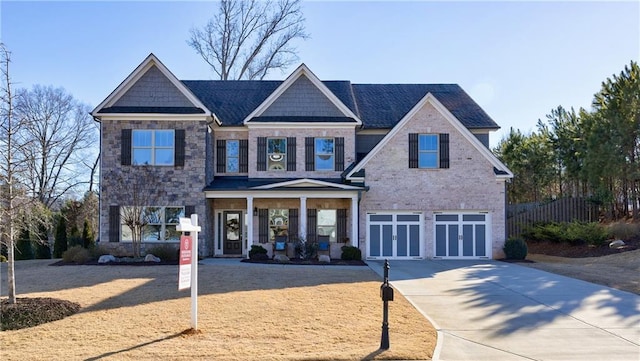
column 402, row 171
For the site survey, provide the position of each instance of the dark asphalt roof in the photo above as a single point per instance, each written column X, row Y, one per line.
column 377, row 105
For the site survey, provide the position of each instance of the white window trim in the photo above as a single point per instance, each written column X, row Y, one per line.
column 435, row 151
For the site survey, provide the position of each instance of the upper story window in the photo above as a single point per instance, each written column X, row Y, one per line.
column 324, row 154
column 277, row 154
column 233, row 156
column 153, row 147
column 428, row 151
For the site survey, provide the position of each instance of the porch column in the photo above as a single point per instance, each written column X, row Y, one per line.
column 302, row 221
column 354, row 221
column 249, row 223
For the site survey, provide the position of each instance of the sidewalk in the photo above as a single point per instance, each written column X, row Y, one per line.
column 490, row 310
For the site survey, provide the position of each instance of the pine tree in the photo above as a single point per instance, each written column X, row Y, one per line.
column 23, row 246
column 60, row 243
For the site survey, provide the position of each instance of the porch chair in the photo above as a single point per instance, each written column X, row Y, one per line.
column 280, row 245
column 324, row 247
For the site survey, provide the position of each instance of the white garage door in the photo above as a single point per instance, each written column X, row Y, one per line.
column 394, row 235
column 462, row 235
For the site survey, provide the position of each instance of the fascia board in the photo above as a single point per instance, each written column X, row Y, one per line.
column 429, row 98
column 301, row 70
column 303, row 125
column 137, row 73
column 306, row 180
column 153, row 116
column 274, row 194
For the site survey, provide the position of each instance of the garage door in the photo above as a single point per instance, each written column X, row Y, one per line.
column 394, row 235
column 461, row 235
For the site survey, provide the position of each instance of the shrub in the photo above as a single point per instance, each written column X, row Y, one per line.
column 552, row 232
column 351, row 253
column 97, row 251
column 24, row 249
column 76, row 254
column 60, row 242
column 306, row 250
column 257, row 252
column 591, row 233
column 88, row 238
column 43, row 251
column 624, row 231
column 165, row 252
column 3, row 258
column 515, row 248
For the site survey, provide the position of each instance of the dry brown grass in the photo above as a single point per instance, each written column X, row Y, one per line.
column 246, row 312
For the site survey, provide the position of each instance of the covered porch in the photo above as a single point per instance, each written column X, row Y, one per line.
column 291, row 210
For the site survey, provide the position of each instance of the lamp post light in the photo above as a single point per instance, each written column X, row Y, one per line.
column 386, row 293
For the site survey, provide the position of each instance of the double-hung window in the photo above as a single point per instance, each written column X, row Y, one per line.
column 428, row 151
column 327, row 221
column 277, row 154
column 233, row 156
column 324, row 154
column 153, row 147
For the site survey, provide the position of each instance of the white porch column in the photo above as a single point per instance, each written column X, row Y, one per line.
column 354, row 221
column 249, row 235
column 302, row 219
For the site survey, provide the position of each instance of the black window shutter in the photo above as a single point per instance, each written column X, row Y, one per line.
column 263, row 225
column 309, row 156
column 291, row 154
column 312, row 224
column 413, row 150
column 114, row 223
column 221, row 156
column 341, row 226
column 189, row 210
column 180, row 147
column 262, row 154
column 125, row 147
column 244, row 156
column 444, row 150
column 293, row 224
column 339, row 163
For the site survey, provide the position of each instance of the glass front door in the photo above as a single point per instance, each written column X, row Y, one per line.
column 232, row 233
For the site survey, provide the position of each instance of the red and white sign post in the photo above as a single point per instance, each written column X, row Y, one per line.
column 188, row 271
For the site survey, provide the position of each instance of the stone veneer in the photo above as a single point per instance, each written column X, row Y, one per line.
column 179, row 186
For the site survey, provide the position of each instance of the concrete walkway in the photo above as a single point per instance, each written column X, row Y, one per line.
column 490, row 310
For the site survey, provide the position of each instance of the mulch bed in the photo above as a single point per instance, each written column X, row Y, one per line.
column 29, row 312
column 310, row 262
column 581, row 250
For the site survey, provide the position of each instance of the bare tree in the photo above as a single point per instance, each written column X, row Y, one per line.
column 248, row 38
column 17, row 210
column 61, row 136
column 141, row 185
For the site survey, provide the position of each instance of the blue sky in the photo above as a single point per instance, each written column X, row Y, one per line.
column 518, row 60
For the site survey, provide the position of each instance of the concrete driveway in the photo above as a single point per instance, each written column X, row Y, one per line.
column 490, row 310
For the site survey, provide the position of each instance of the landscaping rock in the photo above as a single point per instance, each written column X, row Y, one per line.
column 281, row 258
column 151, row 258
column 323, row 258
column 106, row 258
column 618, row 243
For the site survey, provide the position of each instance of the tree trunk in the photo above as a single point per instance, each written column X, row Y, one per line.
column 11, row 278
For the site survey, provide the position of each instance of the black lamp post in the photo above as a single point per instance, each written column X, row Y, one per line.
column 386, row 293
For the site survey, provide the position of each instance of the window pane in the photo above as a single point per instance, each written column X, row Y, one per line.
column 327, row 217
column 164, row 138
column 142, row 156
column 278, row 223
column 152, row 233
column 173, row 214
column 276, row 145
column 164, row 157
column 171, row 234
column 233, row 165
column 125, row 232
column 324, row 145
column 428, row 160
column 428, row 142
column 233, row 147
column 324, row 162
column 141, row 138
column 153, row 215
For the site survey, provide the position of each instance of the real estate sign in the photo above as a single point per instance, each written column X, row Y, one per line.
column 184, row 273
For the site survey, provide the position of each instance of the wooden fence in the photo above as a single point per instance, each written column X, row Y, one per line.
column 520, row 216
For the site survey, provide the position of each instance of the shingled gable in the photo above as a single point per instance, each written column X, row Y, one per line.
column 188, row 103
column 500, row 169
column 300, row 72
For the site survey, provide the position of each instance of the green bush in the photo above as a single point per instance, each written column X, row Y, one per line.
column 97, row 251
column 88, row 238
column 591, row 233
column 76, row 254
column 257, row 252
column 3, row 258
column 351, row 253
column 515, row 248
column 60, row 241
column 165, row 252
column 24, row 249
column 43, row 251
column 573, row 233
column 541, row 232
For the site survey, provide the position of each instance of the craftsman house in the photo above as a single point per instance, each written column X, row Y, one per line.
column 402, row 171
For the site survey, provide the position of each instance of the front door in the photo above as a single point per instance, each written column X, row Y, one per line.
column 232, row 233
